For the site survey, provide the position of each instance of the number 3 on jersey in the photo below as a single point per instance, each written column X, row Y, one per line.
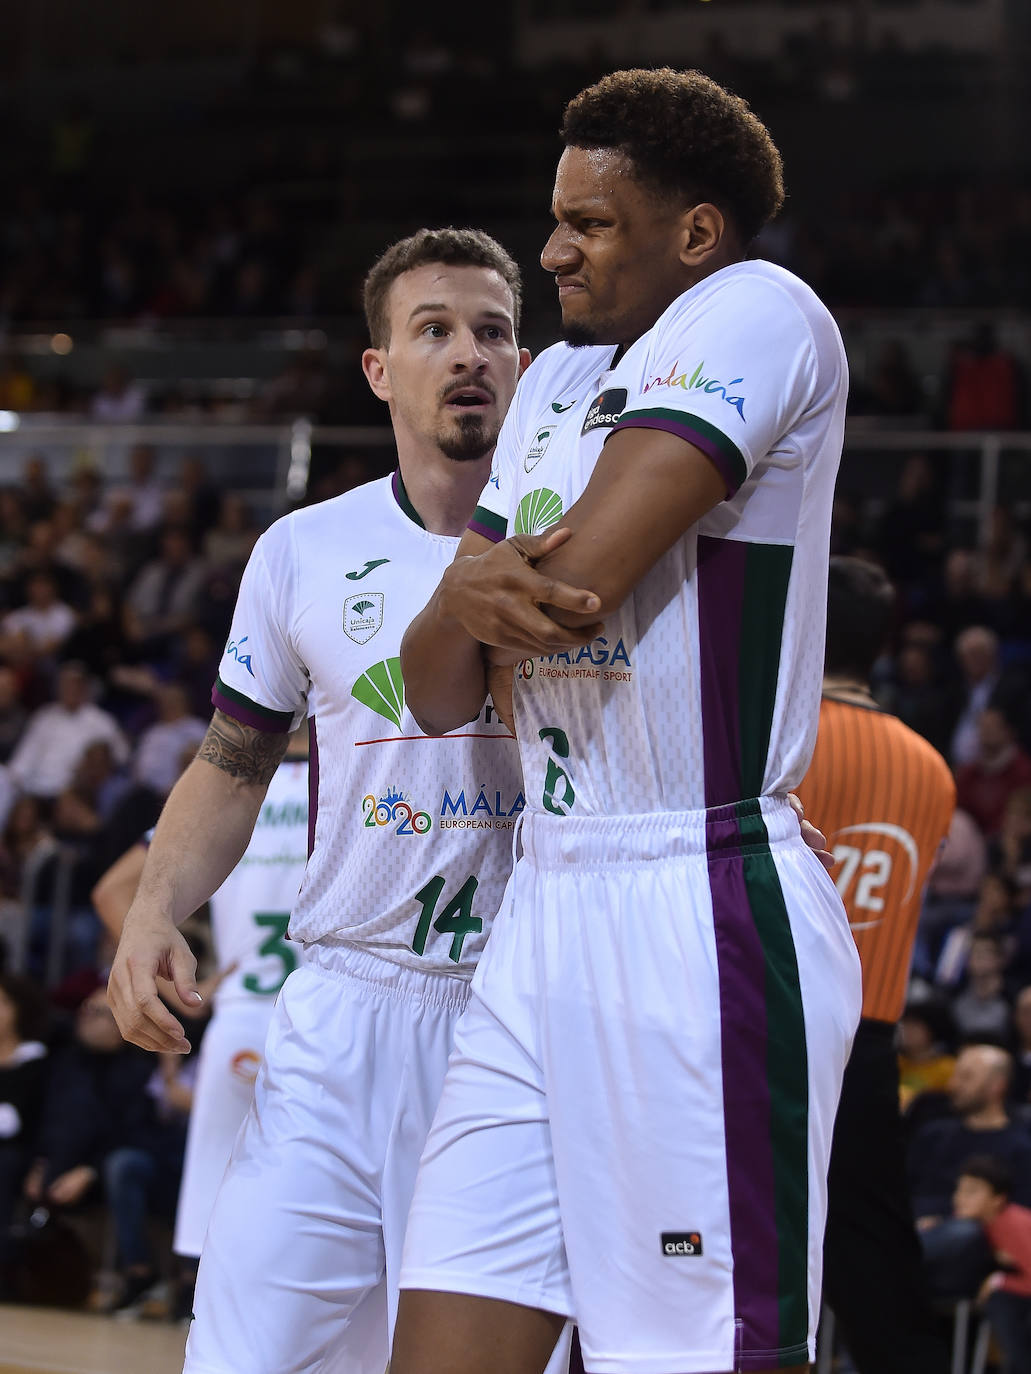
column 277, row 945
column 456, row 918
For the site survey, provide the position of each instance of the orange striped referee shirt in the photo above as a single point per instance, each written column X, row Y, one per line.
column 884, row 798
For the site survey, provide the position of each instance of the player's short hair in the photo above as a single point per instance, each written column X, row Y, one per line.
column 995, row 1172
column 860, row 606
column 452, row 248
column 687, row 138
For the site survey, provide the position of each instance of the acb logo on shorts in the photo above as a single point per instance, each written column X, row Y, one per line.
column 679, row 1243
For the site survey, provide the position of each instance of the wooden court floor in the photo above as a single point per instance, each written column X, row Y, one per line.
column 37, row 1340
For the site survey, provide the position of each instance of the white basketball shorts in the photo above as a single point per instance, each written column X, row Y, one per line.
column 636, row 1122
column 309, row 1221
column 229, row 1058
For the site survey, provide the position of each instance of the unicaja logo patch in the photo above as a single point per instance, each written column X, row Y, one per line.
column 538, row 448
column 698, row 381
column 680, row 1244
column 363, row 616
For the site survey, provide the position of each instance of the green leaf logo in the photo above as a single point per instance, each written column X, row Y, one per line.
column 382, row 689
column 362, row 606
column 538, row 511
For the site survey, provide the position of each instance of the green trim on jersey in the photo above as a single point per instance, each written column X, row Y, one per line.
column 278, row 718
column 683, row 421
column 405, row 501
column 787, row 1067
column 767, row 573
column 490, row 520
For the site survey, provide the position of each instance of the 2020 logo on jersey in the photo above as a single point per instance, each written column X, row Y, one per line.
column 363, row 616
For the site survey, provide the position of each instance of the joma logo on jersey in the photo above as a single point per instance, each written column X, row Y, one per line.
column 363, row 616
column 605, row 409
column 699, row 382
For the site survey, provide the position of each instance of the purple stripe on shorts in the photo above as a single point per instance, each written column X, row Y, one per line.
column 313, row 782
column 721, row 592
column 238, row 711
column 746, row 1102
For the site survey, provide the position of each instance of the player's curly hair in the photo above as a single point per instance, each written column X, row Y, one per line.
column 451, row 247
column 688, row 139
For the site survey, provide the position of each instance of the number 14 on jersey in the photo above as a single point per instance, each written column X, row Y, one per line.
column 456, row 918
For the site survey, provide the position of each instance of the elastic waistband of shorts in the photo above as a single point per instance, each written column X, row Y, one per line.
column 399, row 981
column 742, row 827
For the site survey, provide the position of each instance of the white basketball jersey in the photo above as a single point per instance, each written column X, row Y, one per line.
column 704, row 688
column 250, row 912
column 410, row 835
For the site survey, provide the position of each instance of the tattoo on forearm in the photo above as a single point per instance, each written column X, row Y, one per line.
column 251, row 755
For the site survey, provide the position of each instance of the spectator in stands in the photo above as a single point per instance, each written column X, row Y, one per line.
column 1000, row 768
column 228, row 544
column 984, row 388
column 37, row 493
column 893, row 388
column 994, row 916
column 980, row 1123
column 120, row 400
column 1022, row 1048
column 1010, row 851
column 982, row 1010
column 952, row 894
column 926, row 1063
column 165, row 595
column 916, row 695
column 140, row 501
column 94, row 790
column 158, row 758
column 12, row 712
column 998, row 564
column 45, row 759
column 912, row 533
column 23, row 1070
column 102, row 1125
column 26, row 835
column 977, row 653
column 983, row 1196
column 31, row 635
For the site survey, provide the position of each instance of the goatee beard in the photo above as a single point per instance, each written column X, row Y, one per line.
column 469, row 442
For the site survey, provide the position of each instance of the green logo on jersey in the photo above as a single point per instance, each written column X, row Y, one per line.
column 558, row 803
column 559, row 409
column 538, row 511
column 359, row 573
column 382, row 689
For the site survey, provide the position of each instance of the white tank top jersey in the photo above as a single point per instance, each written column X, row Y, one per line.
column 704, row 688
column 410, row 836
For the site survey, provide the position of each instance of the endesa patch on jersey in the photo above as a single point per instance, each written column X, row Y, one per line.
column 605, row 409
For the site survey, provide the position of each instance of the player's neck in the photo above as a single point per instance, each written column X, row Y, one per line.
column 443, row 492
column 839, row 687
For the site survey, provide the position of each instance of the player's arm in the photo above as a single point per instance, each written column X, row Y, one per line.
column 647, row 489
column 201, row 836
column 492, row 594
